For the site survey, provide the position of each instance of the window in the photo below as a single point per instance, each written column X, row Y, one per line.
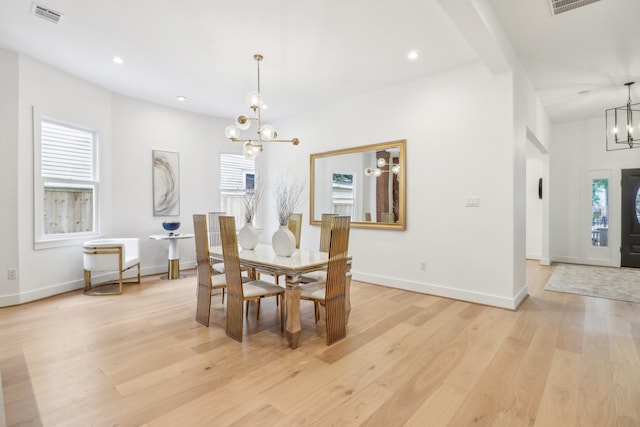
column 342, row 193
column 66, row 181
column 237, row 175
column 599, row 212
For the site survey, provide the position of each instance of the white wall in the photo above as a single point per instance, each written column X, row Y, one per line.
column 60, row 96
column 128, row 132
column 535, row 170
column 138, row 129
column 475, row 254
column 577, row 153
column 469, row 251
column 9, row 165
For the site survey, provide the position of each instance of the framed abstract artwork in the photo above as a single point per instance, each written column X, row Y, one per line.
column 166, row 183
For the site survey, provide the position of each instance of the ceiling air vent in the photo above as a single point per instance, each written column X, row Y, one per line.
column 45, row 13
column 559, row 6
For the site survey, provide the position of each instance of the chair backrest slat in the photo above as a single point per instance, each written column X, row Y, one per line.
column 214, row 228
column 336, row 277
column 235, row 295
column 325, row 231
column 203, row 269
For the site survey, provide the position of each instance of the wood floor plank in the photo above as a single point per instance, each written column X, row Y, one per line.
column 140, row 359
column 493, row 392
column 560, row 397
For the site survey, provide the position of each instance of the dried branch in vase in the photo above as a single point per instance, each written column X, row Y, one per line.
column 287, row 196
column 250, row 203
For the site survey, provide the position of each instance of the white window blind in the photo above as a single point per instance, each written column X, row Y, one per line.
column 234, row 169
column 66, row 152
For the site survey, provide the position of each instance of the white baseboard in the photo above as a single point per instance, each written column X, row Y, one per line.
column 566, row 259
column 589, row 261
column 60, row 288
column 442, row 291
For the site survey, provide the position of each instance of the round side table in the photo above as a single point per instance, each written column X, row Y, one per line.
column 173, row 271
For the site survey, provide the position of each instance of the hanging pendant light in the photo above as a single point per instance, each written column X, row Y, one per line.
column 621, row 125
column 266, row 133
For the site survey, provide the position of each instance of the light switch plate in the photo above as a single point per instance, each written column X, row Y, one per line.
column 472, row 202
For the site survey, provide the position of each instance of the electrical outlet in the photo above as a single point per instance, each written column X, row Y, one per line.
column 423, row 266
column 12, row 273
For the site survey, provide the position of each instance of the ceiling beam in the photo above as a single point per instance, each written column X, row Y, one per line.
column 477, row 22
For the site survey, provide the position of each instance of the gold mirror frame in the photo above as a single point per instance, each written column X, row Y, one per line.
column 400, row 223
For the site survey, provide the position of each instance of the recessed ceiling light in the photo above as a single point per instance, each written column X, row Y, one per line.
column 181, row 98
column 413, row 55
column 118, row 60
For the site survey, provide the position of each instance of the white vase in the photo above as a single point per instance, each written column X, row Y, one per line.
column 248, row 236
column 283, row 241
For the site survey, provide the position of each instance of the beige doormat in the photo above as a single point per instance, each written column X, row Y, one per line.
column 604, row 282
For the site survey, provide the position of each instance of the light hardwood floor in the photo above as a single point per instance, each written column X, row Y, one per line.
column 408, row 359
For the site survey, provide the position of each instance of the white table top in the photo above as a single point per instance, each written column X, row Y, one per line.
column 166, row 236
column 301, row 261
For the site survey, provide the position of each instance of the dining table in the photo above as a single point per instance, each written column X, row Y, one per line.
column 263, row 258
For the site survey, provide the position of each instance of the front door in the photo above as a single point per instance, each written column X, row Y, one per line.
column 630, row 219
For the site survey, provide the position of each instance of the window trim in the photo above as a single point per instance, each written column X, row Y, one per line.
column 41, row 240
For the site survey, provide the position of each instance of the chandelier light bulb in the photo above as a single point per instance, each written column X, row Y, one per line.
column 395, row 169
column 232, row 132
column 254, row 100
column 615, row 130
column 381, row 162
column 249, row 151
column 377, row 172
column 368, row 171
column 268, row 132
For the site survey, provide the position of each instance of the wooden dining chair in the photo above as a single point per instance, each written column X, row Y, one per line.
column 333, row 293
column 325, row 238
column 214, row 236
column 237, row 291
column 208, row 281
column 295, row 226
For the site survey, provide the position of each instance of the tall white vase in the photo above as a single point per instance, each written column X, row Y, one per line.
column 283, row 241
column 248, row 236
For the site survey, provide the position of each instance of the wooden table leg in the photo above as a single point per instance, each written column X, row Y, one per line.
column 292, row 296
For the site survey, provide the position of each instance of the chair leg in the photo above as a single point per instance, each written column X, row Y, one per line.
column 120, row 282
column 247, row 309
column 223, row 290
column 87, row 279
column 316, row 310
column 258, row 308
column 281, row 312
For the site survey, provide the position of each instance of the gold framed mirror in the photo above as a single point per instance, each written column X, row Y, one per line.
column 367, row 183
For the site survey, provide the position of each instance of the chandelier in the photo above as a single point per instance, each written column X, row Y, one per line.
column 266, row 133
column 620, row 125
column 380, row 164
